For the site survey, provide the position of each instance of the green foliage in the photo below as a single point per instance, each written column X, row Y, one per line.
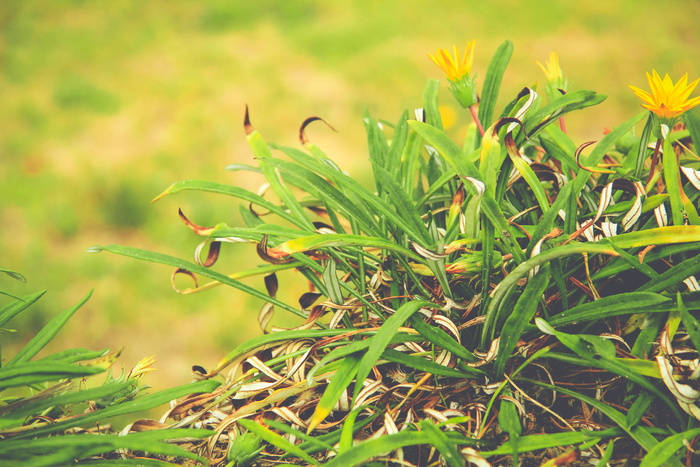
column 51, row 416
column 495, row 299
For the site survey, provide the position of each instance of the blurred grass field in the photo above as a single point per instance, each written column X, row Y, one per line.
column 104, row 104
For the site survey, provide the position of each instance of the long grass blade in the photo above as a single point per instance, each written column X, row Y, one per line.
column 228, row 190
column 347, row 370
column 447, row 447
column 62, row 450
column 671, row 173
column 661, row 453
column 427, row 366
column 177, row 263
column 607, row 307
column 600, row 353
column 147, row 402
column 640, row 434
column 366, row 450
column 516, row 322
column 29, row 373
column 276, row 440
column 382, row 338
column 492, row 82
column 441, row 339
column 46, row 333
column 13, row 309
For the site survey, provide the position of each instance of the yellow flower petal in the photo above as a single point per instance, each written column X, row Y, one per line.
column 454, row 66
column 551, row 68
column 667, row 100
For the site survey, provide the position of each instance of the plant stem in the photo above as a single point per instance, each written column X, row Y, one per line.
column 654, row 159
column 475, row 116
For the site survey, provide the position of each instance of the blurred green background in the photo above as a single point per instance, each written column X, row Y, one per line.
column 104, row 104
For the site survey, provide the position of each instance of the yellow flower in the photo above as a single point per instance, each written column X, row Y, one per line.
column 457, row 70
column 454, row 67
column 667, row 100
column 556, row 83
column 143, row 367
column 551, row 68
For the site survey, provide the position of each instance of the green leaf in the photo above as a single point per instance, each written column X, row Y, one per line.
column 671, row 173
column 640, row 405
column 376, row 140
column 606, row 307
column 673, row 277
column 447, row 149
column 600, row 353
column 658, row 236
column 28, row 373
column 492, row 82
column 523, row 312
column 549, row 218
column 692, row 121
column 128, row 463
column 661, row 453
column 353, row 347
column 430, row 104
column 532, row 181
column 260, row 341
column 13, row 274
column 11, row 310
column 76, row 355
column 309, row 444
column 575, row 100
column 502, row 292
column 464, row 167
column 16, row 414
column 414, row 227
column 366, row 450
column 558, row 145
column 509, row 421
column 425, row 365
column 147, row 402
column 537, row 442
column 346, row 438
column 276, row 440
column 382, row 338
column 594, row 158
column 692, row 326
column 356, row 205
column 168, row 260
column 347, row 370
column 65, row 449
column 447, row 447
column 642, row 147
column 47, row 333
column 640, row 434
column 312, row 242
column 440, row 338
column 228, row 190
column 263, row 154
column 330, row 278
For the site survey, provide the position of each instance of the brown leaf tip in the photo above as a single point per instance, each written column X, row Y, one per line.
column 246, row 122
column 302, row 130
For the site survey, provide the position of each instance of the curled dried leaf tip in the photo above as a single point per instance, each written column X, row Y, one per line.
column 303, row 139
column 198, row 229
column 272, row 255
column 247, row 126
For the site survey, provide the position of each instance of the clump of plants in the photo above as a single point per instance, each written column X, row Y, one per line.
column 55, row 410
column 505, row 299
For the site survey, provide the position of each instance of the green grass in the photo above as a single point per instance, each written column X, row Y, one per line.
column 104, row 105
